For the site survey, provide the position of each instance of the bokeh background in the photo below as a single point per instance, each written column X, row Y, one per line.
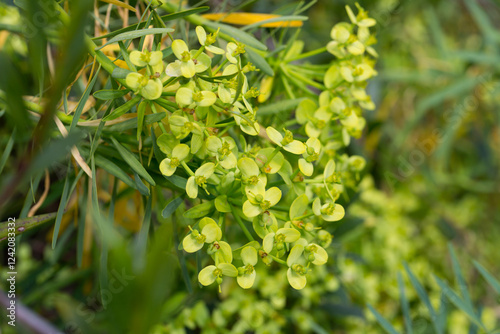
column 432, row 184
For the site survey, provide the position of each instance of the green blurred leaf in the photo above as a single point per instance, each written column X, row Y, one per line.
column 135, row 34
column 259, row 62
column 383, row 322
column 172, row 206
column 495, row 284
column 123, row 108
column 110, row 94
column 131, row 160
column 200, row 210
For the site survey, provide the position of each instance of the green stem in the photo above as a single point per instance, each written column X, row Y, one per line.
column 199, row 51
column 242, row 225
column 276, row 259
column 160, row 124
column 276, row 150
column 304, row 216
column 307, row 54
column 219, row 68
column 23, row 225
column 186, row 167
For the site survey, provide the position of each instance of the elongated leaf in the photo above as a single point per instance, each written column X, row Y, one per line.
column 458, row 302
column 495, row 284
column 141, row 242
column 135, row 34
column 83, row 100
column 60, row 211
column 259, row 62
column 171, row 207
column 26, row 224
column 110, row 94
column 382, row 321
column 201, row 210
column 6, row 151
column 462, row 285
column 422, row 295
column 234, row 33
column 120, row 73
column 123, row 108
column 164, row 18
column 141, row 186
column 278, row 107
column 218, row 78
column 140, row 118
column 131, row 160
column 404, row 304
column 113, row 169
column 132, row 122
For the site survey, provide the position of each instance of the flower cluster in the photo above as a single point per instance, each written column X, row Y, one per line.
column 280, row 181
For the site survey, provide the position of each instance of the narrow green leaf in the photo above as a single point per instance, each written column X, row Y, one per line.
column 422, row 295
column 200, row 210
column 140, row 118
column 123, row 108
column 495, row 284
column 60, row 210
column 141, row 186
column 405, row 306
column 113, row 169
column 6, row 151
column 132, row 123
column 458, row 302
column 278, row 107
column 110, row 94
column 131, row 160
column 81, row 226
column 120, row 73
column 462, row 285
column 234, row 33
column 164, row 18
column 135, row 34
column 218, row 78
column 171, row 207
column 241, row 81
column 83, row 100
column 382, row 321
column 25, row 224
column 259, row 62
column 141, row 242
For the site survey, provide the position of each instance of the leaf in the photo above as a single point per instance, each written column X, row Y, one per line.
column 131, row 123
column 60, row 210
column 141, row 186
column 384, row 323
column 231, row 33
column 114, row 170
column 278, row 107
column 110, row 94
column 458, row 302
column 495, row 284
column 219, row 78
column 259, row 62
column 221, row 204
column 123, row 108
column 26, row 224
column 135, row 34
column 7, row 150
column 83, row 100
column 291, row 21
column 131, row 160
column 422, row 295
column 172, row 206
column 120, row 4
column 120, row 73
column 140, row 118
column 462, row 285
column 164, row 18
column 299, row 206
column 404, row 305
column 201, row 210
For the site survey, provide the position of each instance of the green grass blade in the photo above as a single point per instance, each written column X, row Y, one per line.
column 140, row 185
column 60, row 211
column 83, row 100
column 458, row 302
column 462, row 285
column 123, row 108
column 172, row 206
column 423, row 296
column 382, row 321
column 405, row 306
column 114, row 170
column 135, row 34
column 6, row 151
column 495, row 284
column 131, row 160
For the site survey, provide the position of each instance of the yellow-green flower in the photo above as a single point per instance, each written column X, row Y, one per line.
column 199, row 179
column 296, row 268
column 246, row 274
column 144, row 58
column 233, row 50
column 212, row 273
column 313, row 150
column 207, row 41
column 287, row 142
column 250, row 172
column 222, row 149
column 185, row 65
column 316, row 254
column 330, row 211
column 179, row 154
column 148, row 88
column 210, row 232
column 181, row 127
column 260, row 200
column 186, row 97
column 282, row 236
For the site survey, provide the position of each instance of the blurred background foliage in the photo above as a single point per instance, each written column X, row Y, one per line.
column 433, row 148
